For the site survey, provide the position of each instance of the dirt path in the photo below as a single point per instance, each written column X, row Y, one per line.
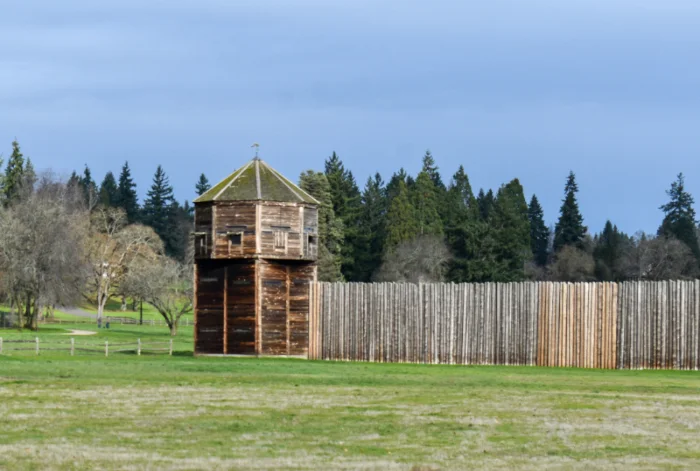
column 81, row 332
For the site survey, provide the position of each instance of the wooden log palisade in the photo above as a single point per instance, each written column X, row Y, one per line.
column 636, row 325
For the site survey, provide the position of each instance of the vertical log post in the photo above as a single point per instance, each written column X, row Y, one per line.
column 138, row 347
column 36, row 340
column 72, row 346
column 106, row 348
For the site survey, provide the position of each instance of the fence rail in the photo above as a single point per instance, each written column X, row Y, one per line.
column 10, row 346
column 589, row 325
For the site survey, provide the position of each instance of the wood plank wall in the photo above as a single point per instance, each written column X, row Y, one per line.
column 589, row 325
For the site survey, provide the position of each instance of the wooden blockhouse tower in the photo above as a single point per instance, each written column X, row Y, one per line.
column 256, row 244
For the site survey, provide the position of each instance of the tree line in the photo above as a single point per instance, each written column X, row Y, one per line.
column 423, row 229
column 62, row 241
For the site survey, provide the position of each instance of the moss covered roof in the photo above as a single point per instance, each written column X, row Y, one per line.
column 256, row 181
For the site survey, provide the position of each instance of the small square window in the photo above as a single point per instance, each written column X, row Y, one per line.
column 235, row 238
column 280, row 240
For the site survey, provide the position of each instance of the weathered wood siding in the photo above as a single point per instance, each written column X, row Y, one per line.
column 299, row 280
column 280, row 222
column 589, row 325
column 310, row 232
column 284, row 307
column 231, row 218
column 203, row 220
column 209, row 309
column 240, row 308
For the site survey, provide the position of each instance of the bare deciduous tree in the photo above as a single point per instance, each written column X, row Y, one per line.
column 113, row 246
column 572, row 264
column 163, row 283
column 423, row 259
column 660, row 258
column 42, row 241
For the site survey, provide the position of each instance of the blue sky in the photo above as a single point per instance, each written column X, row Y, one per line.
column 527, row 89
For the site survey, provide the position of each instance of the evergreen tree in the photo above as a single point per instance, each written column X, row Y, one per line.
column 459, row 200
column 485, row 203
column 109, row 192
column 431, row 169
column 569, row 230
column 401, row 221
column 88, row 185
column 330, row 228
column 461, row 214
column 511, row 232
column 14, row 174
column 679, row 216
column 202, row 185
column 126, row 195
column 372, row 231
column 539, row 233
column 30, row 177
column 609, row 251
column 346, row 199
column 74, row 181
column 160, row 210
column 392, row 188
column 181, row 226
column 424, row 197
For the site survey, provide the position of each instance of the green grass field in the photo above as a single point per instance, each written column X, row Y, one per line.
column 180, row 412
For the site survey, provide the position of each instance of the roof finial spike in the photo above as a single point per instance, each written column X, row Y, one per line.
column 256, row 146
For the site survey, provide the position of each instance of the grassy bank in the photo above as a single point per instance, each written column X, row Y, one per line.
column 180, row 412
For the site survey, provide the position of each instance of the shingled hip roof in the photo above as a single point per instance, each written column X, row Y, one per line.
column 256, row 181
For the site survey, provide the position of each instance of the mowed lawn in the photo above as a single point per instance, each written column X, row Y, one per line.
column 181, row 412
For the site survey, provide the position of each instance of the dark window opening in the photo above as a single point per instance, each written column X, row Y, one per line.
column 200, row 245
column 235, row 238
column 280, row 240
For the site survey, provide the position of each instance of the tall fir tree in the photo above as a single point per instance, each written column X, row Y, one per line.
column 202, row 185
column 426, row 201
column 330, row 228
column 127, row 199
column 539, row 232
column 346, row 198
column 485, row 202
column 460, row 218
column 610, row 248
column 88, row 185
column 30, row 176
column 431, row 168
column 74, row 181
column 392, row 188
column 372, row 231
column 159, row 210
column 109, row 192
column 401, row 221
column 569, row 229
column 14, row 174
column 511, row 232
column 679, row 216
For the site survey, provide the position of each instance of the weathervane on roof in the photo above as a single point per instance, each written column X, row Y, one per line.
column 256, row 146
